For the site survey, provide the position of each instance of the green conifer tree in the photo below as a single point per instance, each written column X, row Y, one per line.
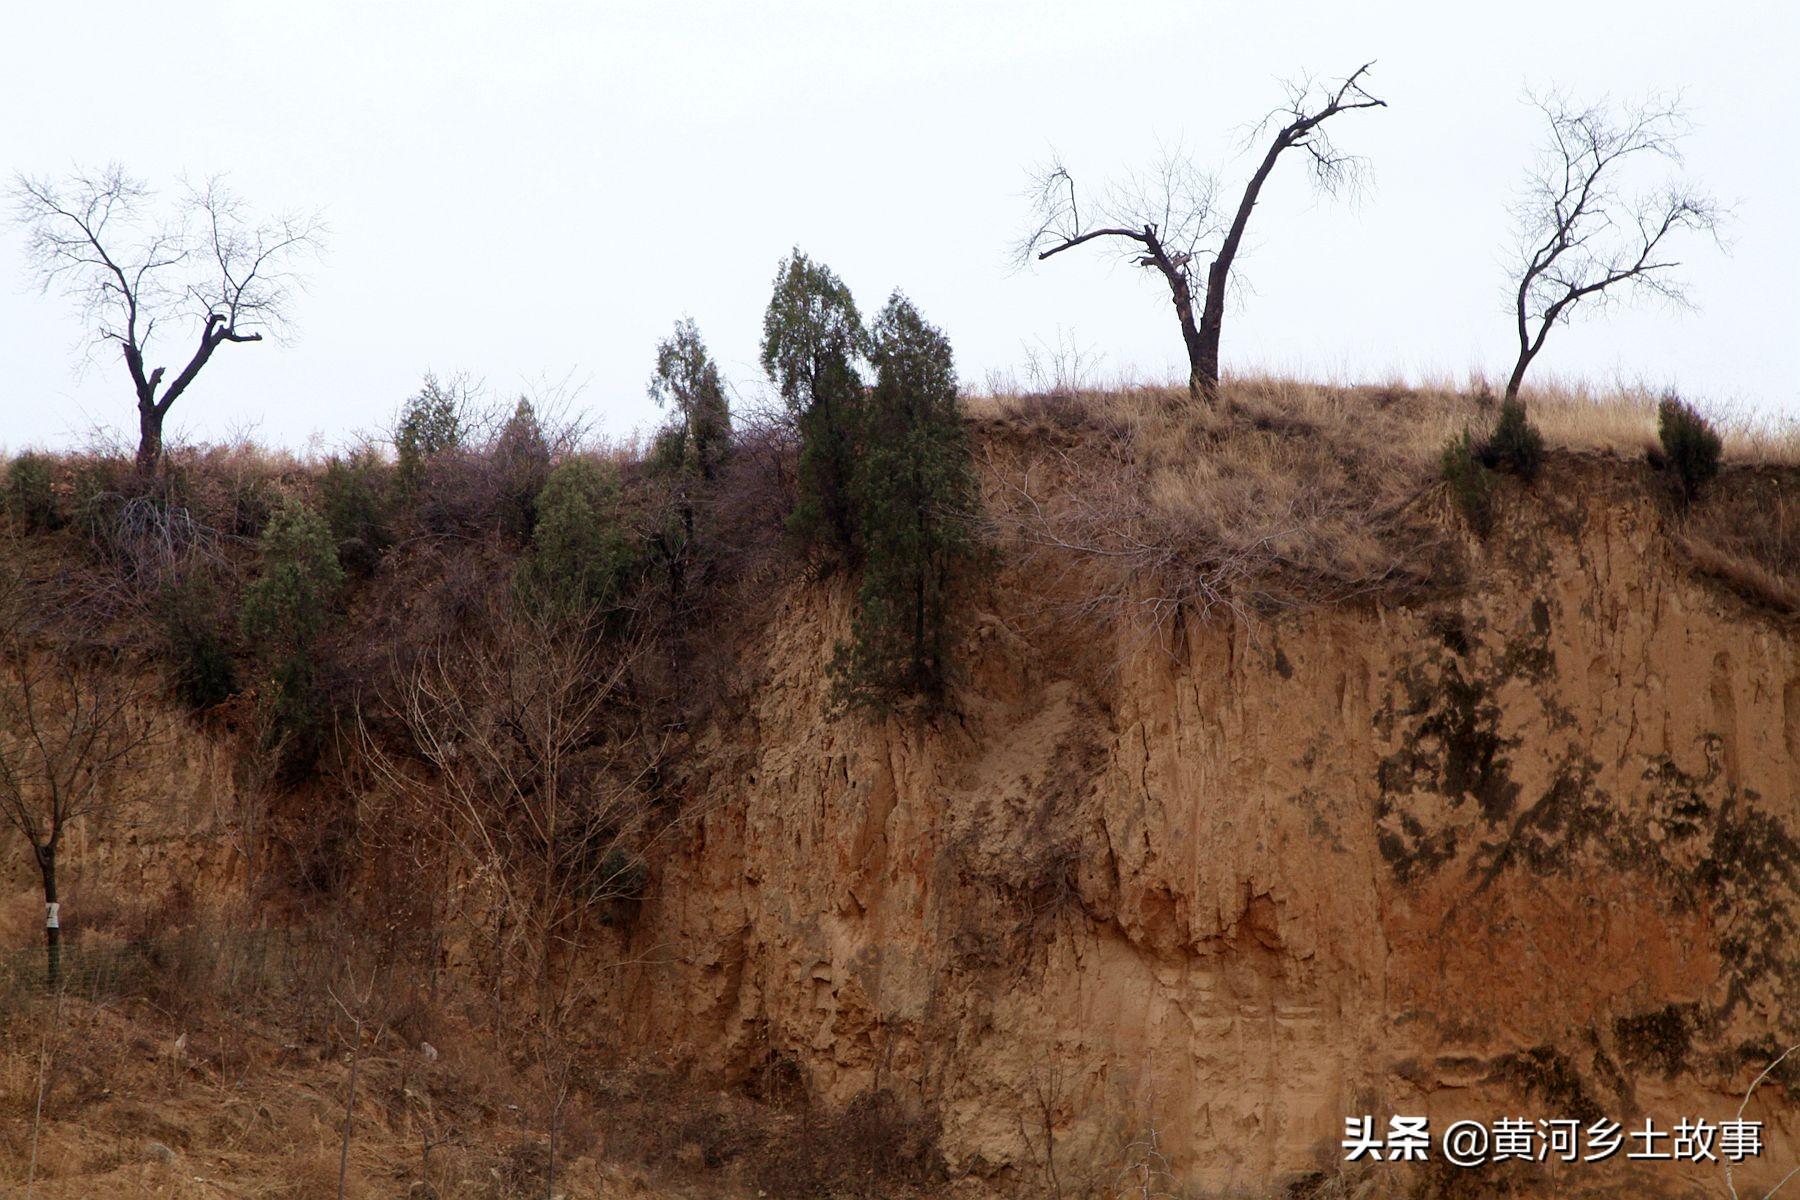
column 581, row 552
column 687, row 382
column 812, row 341
column 285, row 613
column 522, row 461
column 430, row 423
column 913, row 490
column 689, row 452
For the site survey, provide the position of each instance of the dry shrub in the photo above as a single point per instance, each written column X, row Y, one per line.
column 313, row 843
column 1746, row 534
column 709, row 1136
column 483, row 478
column 524, row 1166
column 458, row 493
column 1297, row 496
column 429, row 591
column 145, row 538
column 873, row 1148
column 234, row 487
column 451, row 1168
column 127, row 916
column 412, row 1017
column 742, row 520
column 313, row 1175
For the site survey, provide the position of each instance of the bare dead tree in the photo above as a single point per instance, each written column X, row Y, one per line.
column 363, row 995
column 207, row 267
column 1583, row 238
column 516, row 720
column 68, row 721
column 527, row 726
column 1170, row 221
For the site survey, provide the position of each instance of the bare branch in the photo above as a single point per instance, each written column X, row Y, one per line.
column 1586, row 235
column 68, row 722
column 531, row 740
column 1168, row 219
column 207, row 264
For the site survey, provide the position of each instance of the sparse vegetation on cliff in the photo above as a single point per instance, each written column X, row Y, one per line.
column 581, row 554
column 1125, row 510
column 1514, row 445
column 1471, row 484
column 29, row 497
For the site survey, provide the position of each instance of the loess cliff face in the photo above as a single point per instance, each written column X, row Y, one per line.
column 1184, row 904
column 1160, row 911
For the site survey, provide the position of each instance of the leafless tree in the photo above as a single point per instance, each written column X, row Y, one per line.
column 527, row 726
column 1585, row 236
column 1170, row 220
column 356, row 1010
column 206, row 267
column 519, row 723
column 68, row 720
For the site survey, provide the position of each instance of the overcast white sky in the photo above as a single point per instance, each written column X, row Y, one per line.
column 533, row 191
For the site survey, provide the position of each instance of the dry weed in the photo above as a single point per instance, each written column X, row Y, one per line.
column 1143, row 505
column 1745, row 533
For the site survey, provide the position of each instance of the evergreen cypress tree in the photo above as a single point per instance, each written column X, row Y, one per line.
column 522, row 459
column 812, row 341
column 688, row 454
column 687, row 381
column 581, row 551
column 912, row 489
column 430, row 424
column 286, row 611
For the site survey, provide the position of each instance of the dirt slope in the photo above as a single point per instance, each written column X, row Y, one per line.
column 1529, row 852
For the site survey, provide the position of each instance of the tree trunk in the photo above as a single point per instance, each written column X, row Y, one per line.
column 46, row 857
column 550, row 1167
column 150, row 439
column 1212, row 318
column 1517, row 378
column 349, row 1110
column 1200, row 383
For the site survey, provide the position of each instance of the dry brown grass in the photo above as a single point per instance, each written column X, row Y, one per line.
column 128, row 1115
column 1141, row 503
column 243, row 1096
column 1292, row 494
column 1573, row 415
column 1623, row 422
column 1745, row 533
